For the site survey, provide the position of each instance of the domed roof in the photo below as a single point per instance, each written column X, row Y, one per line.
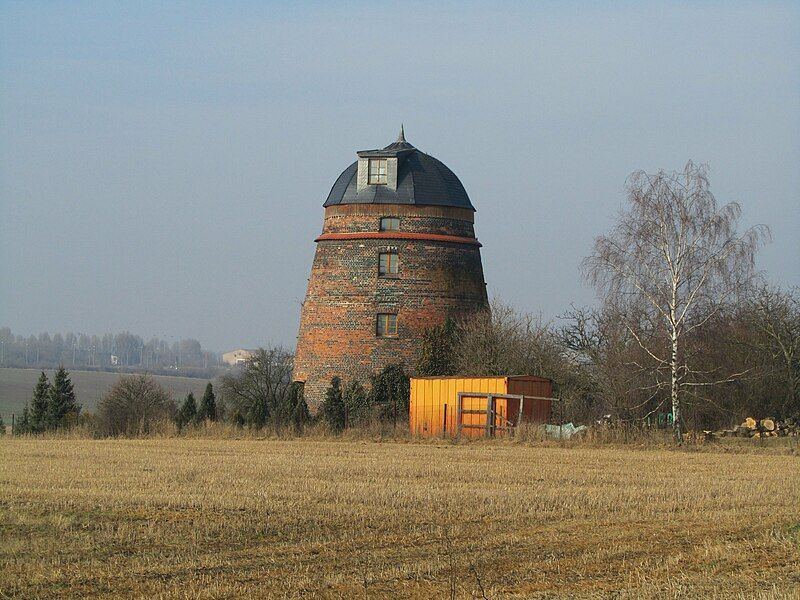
column 421, row 179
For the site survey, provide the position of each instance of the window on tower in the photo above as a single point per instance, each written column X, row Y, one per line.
column 377, row 171
column 390, row 223
column 388, row 263
column 387, row 325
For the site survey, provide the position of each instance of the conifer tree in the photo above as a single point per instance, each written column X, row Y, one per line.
column 332, row 409
column 40, row 405
column 2, row 426
column 391, row 391
column 357, row 404
column 62, row 405
column 208, row 405
column 300, row 414
column 24, row 423
column 188, row 411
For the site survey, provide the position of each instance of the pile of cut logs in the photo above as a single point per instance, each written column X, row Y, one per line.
column 751, row 428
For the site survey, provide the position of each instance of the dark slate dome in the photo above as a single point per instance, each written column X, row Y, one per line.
column 421, row 179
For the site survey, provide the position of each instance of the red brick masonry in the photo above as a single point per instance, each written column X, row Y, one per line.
column 440, row 274
column 398, row 235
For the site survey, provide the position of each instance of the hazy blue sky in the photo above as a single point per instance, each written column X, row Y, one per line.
column 163, row 166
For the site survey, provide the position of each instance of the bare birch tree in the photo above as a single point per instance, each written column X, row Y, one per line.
column 672, row 260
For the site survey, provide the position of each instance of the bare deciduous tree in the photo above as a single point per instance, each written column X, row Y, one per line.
column 774, row 314
column 133, row 405
column 672, row 260
column 258, row 391
column 503, row 341
column 603, row 350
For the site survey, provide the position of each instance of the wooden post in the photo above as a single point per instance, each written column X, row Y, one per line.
column 459, row 414
column 489, row 415
column 444, row 421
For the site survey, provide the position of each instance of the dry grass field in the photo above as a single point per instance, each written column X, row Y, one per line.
column 201, row 518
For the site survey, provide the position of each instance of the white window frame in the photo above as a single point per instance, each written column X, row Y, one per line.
column 377, row 176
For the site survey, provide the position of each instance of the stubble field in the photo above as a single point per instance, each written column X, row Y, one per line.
column 202, row 518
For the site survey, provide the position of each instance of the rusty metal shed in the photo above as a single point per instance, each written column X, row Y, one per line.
column 478, row 406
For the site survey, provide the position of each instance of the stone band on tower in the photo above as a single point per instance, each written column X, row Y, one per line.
column 397, row 255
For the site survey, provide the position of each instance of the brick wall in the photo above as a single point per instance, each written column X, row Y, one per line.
column 351, row 218
column 345, row 293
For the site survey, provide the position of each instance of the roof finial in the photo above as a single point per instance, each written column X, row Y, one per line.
column 402, row 136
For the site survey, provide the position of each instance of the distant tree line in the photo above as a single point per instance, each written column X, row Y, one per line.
column 596, row 362
column 256, row 395
column 95, row 352
column 134, row 405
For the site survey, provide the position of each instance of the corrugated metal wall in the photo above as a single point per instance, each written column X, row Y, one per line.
column 538, row 411
column 434, row 402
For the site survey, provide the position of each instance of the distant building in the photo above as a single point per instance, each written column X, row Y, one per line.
column 237, row 357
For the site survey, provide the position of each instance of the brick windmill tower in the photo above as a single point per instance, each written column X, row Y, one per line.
column 397, row 255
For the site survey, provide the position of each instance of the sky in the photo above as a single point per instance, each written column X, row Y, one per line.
column 163, row 165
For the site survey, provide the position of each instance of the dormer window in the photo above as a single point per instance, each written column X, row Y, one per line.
column 389, row 224
column 377, row 171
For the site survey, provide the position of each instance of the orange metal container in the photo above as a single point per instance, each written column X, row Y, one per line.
column 434, row 403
